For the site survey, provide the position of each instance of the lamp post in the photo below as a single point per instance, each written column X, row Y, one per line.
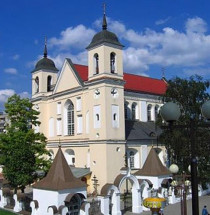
column 170, row 112
column 174, row 169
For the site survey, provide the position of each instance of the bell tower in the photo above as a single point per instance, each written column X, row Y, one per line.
column 44, row 76
column 105, row 55
column 106, row 104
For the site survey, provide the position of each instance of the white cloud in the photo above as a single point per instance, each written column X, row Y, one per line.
column 5, row 94
column 162, row 21
column 79, row 58
column 77, row 37
column 196, row 25
column 16, row 57
column 25, row 95
column 169, row 47
column 11, row 71
column 115, row 26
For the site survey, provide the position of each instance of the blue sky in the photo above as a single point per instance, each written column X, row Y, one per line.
column 157, row 34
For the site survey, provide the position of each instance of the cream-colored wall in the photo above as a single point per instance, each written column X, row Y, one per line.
column 106, row 162
column 106, row 100
column 115, row 160
column 67, row 79
column 80, row 154
column 48, row 110
column 104, row 61
column 42, row 75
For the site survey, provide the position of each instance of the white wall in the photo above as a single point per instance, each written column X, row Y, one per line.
column 143, row 111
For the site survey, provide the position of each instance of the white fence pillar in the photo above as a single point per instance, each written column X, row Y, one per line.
column 18, row 204
column 34, row 207
column 104, row 204
column 84, row 208
column 116, row 204
column 136, row 201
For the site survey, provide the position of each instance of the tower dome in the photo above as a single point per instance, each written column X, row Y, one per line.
column 45, row 63
column 104, row 36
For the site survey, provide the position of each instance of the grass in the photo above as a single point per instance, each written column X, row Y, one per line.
column 3, row 212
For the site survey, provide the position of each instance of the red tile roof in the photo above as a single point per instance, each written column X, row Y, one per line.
column 82, row 70
column 135, row 83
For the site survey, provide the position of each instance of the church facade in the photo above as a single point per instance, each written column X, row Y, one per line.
column 99, row 115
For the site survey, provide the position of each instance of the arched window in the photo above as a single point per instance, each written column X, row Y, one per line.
column 133, row 158
column 70, row 119
column 70, row 156
column 96, row 63
column 49, row 83
column 36, row 85
column 112, row 62
column 133, row 109
column 149, row 114
column 156, row 111
column 126, row 110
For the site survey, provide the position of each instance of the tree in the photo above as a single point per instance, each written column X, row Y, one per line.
column 189, row 94
column 22, row 150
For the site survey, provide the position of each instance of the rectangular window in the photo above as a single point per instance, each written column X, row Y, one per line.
column 97, row 116
column 79, row 104
column 79, row 124
column 59, row 132
column 59, row 108
column 115, row 116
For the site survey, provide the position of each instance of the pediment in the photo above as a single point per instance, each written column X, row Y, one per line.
column 68, row 78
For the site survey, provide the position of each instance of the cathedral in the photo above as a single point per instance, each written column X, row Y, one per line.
column 102, row 118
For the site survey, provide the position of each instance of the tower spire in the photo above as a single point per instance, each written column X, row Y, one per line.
column 104, row 25
column 45, row 47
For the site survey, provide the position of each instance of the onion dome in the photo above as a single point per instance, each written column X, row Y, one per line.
column 45, row 63
column 104, row 36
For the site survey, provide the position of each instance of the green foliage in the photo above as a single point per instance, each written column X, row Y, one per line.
column 4, row 212
column 22, row 150
column 190, row 94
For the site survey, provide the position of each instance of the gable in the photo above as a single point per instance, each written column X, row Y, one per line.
column 68, row 78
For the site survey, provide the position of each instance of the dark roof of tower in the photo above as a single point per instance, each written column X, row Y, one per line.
column 59, row 176
column 45, row 62
column 153, row 166
column 104, row 36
